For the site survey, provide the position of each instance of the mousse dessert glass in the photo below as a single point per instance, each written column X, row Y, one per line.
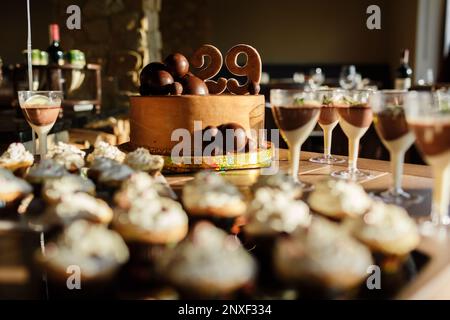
column 355, row 117
column 428, row 115
column 328, row 120
column 296, row 113
column 41, row 109
column 390, row 123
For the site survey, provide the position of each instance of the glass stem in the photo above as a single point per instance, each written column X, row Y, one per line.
column 33, row 140
column 353, row 146
column 43, row 145
column 294, row 151
column 441, row 195
column 327, row 135
column 397, row 159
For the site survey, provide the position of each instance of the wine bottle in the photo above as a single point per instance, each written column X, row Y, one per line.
column 55, row 51
column 403, row 73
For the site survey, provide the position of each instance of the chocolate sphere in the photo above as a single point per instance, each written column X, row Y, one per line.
column 155, row 79
column 177, row 65
column 209, row 134
column 194, row 85
column 237, row 139
column 176, row 89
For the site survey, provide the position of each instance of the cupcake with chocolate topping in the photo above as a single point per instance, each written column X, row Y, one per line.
column 67, row 155
column 322, row 259
column 53, row 190
column 77, row 206
column 140, row 185
column 149, row 226
column 16, row 159
column 208, row 264
column 209, row 196
column 386, row 229
column 12, row 191
column 270, row 215
column 45, row 170
column 96, row 251
column 103, row 149
column 338, row 199
column 142, row 160
column 279, row 181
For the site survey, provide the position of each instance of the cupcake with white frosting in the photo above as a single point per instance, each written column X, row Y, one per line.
column 338, row 199
column 209, row 196
column 270, row 215
column 12, row 191
column 208, row 264
column 140, row 185
column 103, row 149
column 96, row 252
column 55, row 189
column 45, row 170
column 142, row 160
column 68, row 155
column 17, row 159
column 323, row 256
column 98, row 165
column 114, row 176
column 279, row 181
column 78, row 206
column 386, row 229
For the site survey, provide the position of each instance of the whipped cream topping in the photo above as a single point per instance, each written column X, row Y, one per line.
column 158, row 215
column 116, row 172
column 9, row 183
column 68, row 184
column 82, row 206
column 208, row 254
column 324, row 248
column 384, row 222
column 142, row 160
column 210, row 190
column 92, row 247
column 67, row 155
column 273, row 212
column 16, row 152
column 47, row 168
column 100, row 164
column 141, row 185
column 336, row 197
column 279, row 181
column 105, row 150
column 62, row 147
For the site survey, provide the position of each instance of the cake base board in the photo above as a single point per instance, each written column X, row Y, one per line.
column 261, row 158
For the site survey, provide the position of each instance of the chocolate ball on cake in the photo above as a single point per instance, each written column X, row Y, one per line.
column 155, row 79
column 209, row 135
column 176, row 89
column 177, row 64
column 193, row 85
column 237, row 133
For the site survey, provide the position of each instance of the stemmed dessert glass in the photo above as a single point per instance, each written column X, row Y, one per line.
column 328, row 120
column 390, row 123
column 428, row 115
column 296, row 113
column 41, row 109
column 355, row 117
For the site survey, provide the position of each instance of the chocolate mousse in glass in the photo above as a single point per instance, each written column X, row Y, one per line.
column 428, row 115
column 355, row 117
column 41, row 110
column 328, row 120
column 296, row 113
column 390, row 123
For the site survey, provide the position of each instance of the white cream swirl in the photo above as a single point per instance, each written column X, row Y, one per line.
column 46, row 169
column 142, row 160
column 56, row 188
column 16, row 152
column 92, row 247
column 338, row 197
column 210, row 190
column 105, row 150
column 9, row 183
column 272, row 212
